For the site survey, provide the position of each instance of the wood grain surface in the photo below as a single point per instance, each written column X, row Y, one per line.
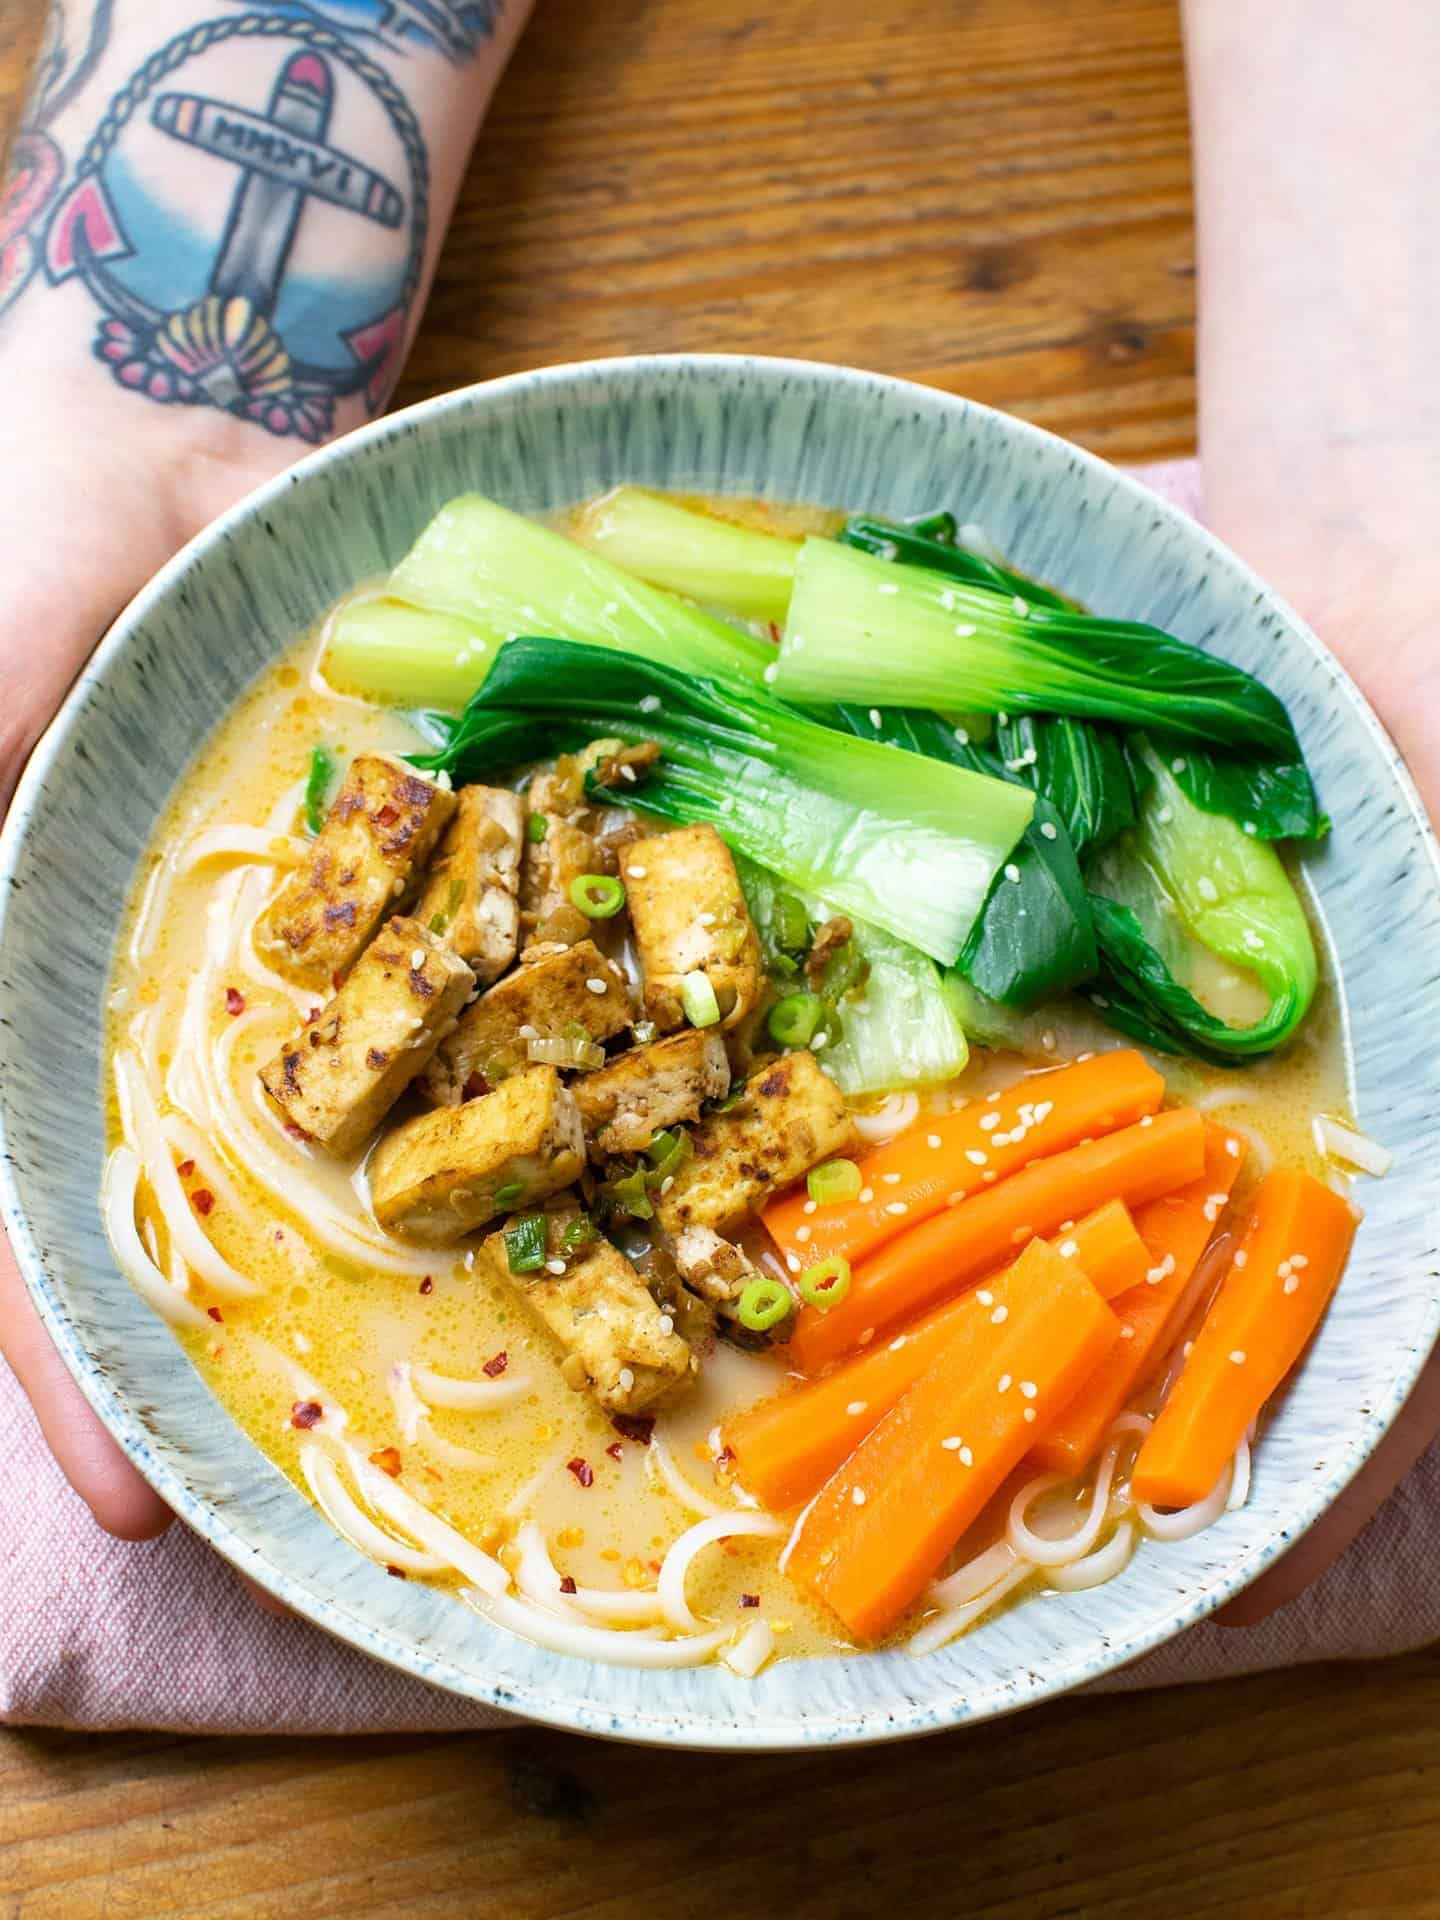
column 993, row 196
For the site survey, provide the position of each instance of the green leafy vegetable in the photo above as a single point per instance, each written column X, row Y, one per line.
column 866, row 629
column 317, row 787
column 578, row 1233
column 713, row 561
column 630, row 1193
column 1080, row 768
column 525, row 1244
column 909, row 846
column 932, row 542
column 1273, row 795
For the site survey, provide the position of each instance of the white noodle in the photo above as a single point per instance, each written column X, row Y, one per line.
column 636, row 1649
column 404, row 1510
column 323, row 1478
column 783, row 1563
column 143, row 1120
column 675, row 1567
column 1262, row 1154
column 1098, row 1567
column 468, row 1396
column 659, row 1461
column 1344, row 1143
column 1185, row 1522
column 897, row 1112
column 750, row 1651
column 1240, row 1478
column 538, row 1578
column 977, row 1576
column 409, row 1407
column 117, row 1205
column 469, row 1459
column 187, row 1140
column 241, row 843
column 1230, row 1095
column 945, row 1626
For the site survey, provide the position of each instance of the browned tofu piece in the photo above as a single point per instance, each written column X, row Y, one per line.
column 442, row 1175
column 341, row 1074
column 617, row 1343
column 376, row 838
column 690, row 916
column 625, row 1104
column 572, row 986
column 710, row 1265
column 791, row 1118
column 470, row 899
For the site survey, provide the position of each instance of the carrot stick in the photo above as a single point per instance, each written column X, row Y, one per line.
column 788, row 1446
column 1177, row 1230
column 935, row 1260
column 1269, row 1304
column 915, row 1175
column 882, row 1525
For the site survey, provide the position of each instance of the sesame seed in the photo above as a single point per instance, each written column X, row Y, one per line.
column 417, row 959
column 397, row 887
column 1067, row 1226
column 1069, row 1249
column 1030, row 1414
column 668, row 1182
column 650, row 703
column 999, row 1316
column 1148, row 1121
column 953, row 1443
column 900, row 1340
column 962, row 736
column 1162, row 1272
column 1242, row 1260
column 1012, row 872
column 802, row 1234
column 1238, row 1356
column 1298, row 1260
column 1207, row 888
column 985, row 1297
column 554, row 1266
column 1002, row 1385
column 856, row 1407
column 965, row 631
column 596, row 986
column 989, row 1177
column 1029, row 1389
column 627, row 1379
column 1292, row 1281
column 891, row 1179
column 967, row 1458
column 947, row 601
column 1253, row 940
column 1047, row 1041
column 771, row 673
column 821, row 1039
column 992, row 1099
column 635, row 873
column 792, row 1263
column 1177, row 766
column 933, row 1140
column 707, row 919
column 989, row 1121
column 1021, row 606
column 896, row 1207
column 875, row 718
column 809, row 1206
column 975, row 1157
column 667, row 1323
column 867, row 1194
column 1251, row 828
column 1215, row 1206
column 528, row 1032
column 887, row 588
column 1048, row 830
column 857, row 1494
column 1127, row 1333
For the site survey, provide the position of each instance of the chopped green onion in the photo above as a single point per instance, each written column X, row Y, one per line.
column 598, row 895
column 507, row 1195
column 793, row 1020
column 454, row 900
column 935, row 526
column 697, row 997
column 631, row 1194
column 317, row 787
column 845, row 970
column 789, row 924
column 826, row 1284
column 578, row 1233
column 728, row 1102
column 783, row 967
column 837, row 1180
column 525, row 1243
column 668, row 1152
column 645, row 1032
column 566, row 1052
column 536, row 828
column 763, row 1304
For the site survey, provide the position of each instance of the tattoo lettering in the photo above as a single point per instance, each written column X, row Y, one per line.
column 252, row 315
column 451, row 27
column 36, row 163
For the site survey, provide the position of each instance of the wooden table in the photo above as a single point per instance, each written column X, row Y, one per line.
column 990, row 195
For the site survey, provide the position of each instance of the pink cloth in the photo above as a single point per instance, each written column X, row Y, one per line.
column 94, row 1633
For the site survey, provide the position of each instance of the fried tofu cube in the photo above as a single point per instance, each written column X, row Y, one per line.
column 442, row 1175
column 571, row 987
column 690, row 916
column 625, row 1104
column 377, row 836
column 791, row 1117
column 471, row 895
column 617, row 1343
column 341, row 1074
column 710, row 1265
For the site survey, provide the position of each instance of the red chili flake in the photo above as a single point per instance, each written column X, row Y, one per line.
column 774, row 632
column 295, row 1133
column 567, row 1585
column 313, row 1015
column 582, row 1471
column 216, row 1315
column 725, row 1457
column 388, row 1461
column 749, row 1599
column 634, row 1426
column 185, row 1168
column 306, row 1413
column 234, row 1001
column 473, row 1087
column 202, row 1200
column 396, row 1573
column 427, row 1285
column 496, row 1365
column 386, row 817
column 615, row 1450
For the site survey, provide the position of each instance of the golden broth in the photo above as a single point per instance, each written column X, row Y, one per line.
column 340, row 1322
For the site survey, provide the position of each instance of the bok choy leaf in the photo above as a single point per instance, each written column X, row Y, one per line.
column 908, row 844
column 933, row 543
column 746, row 572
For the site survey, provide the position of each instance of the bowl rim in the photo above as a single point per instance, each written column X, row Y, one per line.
column 913, row 1716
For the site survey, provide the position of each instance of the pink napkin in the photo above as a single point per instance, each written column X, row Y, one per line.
column 94, row 1633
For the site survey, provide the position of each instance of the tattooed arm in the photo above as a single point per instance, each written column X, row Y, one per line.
column 215, row 242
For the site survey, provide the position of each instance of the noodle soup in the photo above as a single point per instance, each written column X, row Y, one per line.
column 592, row 1164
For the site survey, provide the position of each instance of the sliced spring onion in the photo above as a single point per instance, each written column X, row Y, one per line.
column 525, row 1243
column 507, row 1195
column 789, row 923
column 794, row 1020
column 645, row 1032
column 578, row 1233
column 669, row 1151
column 564, row 1051
column 536, row 828
column 836, row 1180
column 763, row 1304
column 826, row 1284
column 317, row 787
column 631, row 1194
column 599, row 896
column 697, row 997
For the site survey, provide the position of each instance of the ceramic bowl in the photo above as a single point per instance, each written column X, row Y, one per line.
column 195, row 639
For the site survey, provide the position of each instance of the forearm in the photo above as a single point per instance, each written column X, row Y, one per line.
column 1320, row 308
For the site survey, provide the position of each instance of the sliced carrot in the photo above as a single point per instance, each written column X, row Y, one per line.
column 1270, row 1302
column 915, row 1175
column 882, row 1524
column 926, row 1265
column 1177, row 1230
column 788, row 1446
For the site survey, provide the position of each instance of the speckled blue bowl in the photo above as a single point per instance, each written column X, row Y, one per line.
column 195, row 639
